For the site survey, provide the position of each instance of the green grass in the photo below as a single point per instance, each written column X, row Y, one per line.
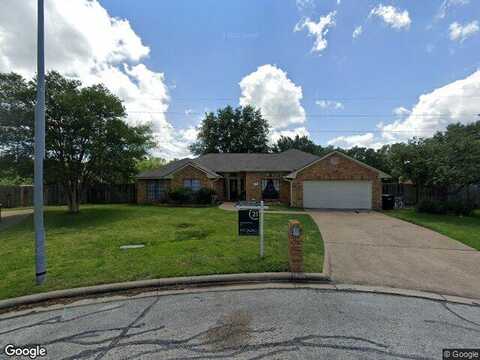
column 83, row 249
column 465, row 229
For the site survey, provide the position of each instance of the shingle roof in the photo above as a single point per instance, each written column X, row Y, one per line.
column 286, row 161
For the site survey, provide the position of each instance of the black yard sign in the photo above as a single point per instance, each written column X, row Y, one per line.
column 249, row 222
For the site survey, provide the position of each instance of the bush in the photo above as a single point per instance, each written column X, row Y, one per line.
column 204, row 196
column 464, row 208
column 431, row 207
column 181, row 195
column 455, row 207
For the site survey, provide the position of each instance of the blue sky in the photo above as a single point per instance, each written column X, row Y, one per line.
column 206, row 47
column 349, row 87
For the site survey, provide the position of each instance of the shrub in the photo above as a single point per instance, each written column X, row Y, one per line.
column 181, row 195
column 204, row 196
column 431, row 207
column 457, row 207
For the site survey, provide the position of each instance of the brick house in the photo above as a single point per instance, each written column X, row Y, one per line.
column 292, row 177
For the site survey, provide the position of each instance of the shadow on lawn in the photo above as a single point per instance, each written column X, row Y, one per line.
column 93, row 215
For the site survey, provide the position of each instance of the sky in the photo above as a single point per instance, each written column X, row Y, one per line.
column 344, row 72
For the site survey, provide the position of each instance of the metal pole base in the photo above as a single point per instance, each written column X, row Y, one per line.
column 40, row 278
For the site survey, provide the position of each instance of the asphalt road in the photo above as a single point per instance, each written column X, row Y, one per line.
column 247, row 324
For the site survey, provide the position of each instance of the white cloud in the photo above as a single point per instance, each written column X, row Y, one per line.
column 300, row 131
column 305, row 4
column 455, row 102
column 357, row 32
column 347, row 142
column 392, row 16
column 83, row 41
column 459, row 32
column 329, row 104
column 319, row 30
column 401, row 111
column 446, row 4
column 269, row 89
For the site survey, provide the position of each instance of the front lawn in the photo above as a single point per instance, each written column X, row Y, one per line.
column 465, row 229
column 84, row 249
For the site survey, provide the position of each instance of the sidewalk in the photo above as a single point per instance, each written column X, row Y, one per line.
column 230, row 206
column 12, row 217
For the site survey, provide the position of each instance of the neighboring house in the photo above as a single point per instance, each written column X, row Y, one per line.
column 292, row 177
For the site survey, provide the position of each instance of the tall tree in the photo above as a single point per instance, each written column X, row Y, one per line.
column 240, row 130
column 87, row 139
column 302, row 143
column 455, row 156
column 376, row 158
column 151, row 163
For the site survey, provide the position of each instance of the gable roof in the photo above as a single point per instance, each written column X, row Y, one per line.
column 214, row 163
column 286, row 161
column 174, row 166
column 382, row 174
column 291, row 161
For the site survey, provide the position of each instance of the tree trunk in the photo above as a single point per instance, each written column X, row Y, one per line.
column 73, row 197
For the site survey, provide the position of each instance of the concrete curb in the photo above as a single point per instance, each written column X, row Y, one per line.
column 167, row 283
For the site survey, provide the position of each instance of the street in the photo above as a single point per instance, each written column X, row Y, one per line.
column 282, row 323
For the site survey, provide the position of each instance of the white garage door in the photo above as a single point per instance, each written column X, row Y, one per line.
column 337, row 194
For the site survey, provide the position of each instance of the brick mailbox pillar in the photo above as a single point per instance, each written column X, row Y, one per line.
column 295, row 246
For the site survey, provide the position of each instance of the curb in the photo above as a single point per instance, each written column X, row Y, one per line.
column 167, row 283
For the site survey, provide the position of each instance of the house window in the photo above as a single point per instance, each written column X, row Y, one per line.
column 155, row 190
column 270, row 188
column 193, row 184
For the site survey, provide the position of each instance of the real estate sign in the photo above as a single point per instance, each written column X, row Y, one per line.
column 249, row 222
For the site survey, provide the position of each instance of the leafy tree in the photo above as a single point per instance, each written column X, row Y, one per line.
column 151, row 163
column 87, row 139
column 376, row 158
column 455, row 156
column 302, row 143
column 240, row 130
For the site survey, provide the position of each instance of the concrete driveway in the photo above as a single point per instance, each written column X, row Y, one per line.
column 370, row 248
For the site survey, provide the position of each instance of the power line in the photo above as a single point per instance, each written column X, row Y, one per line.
column 314, row 115
column 317, row 98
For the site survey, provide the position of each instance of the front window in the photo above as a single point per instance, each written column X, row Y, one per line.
column 193, row 184
column 155, row 189
column 270, row 188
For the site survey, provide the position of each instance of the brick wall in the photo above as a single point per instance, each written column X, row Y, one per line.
column 219, row 187
column 337, row 167
column 141, row 186
column 190, row 172
column 141, row 189
column 253, row 186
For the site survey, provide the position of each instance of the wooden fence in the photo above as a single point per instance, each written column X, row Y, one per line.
column 411, row 196
column 22, row 196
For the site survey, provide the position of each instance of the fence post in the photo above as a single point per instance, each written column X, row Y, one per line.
column 295, row 246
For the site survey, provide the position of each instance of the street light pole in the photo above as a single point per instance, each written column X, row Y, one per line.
column 40, row 266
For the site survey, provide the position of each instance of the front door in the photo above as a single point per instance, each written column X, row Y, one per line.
column 233, row 190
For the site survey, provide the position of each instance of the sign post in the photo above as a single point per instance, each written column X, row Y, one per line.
column 250, row 221
column 261, row 229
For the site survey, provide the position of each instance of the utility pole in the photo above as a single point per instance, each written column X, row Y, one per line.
column 40, row 263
